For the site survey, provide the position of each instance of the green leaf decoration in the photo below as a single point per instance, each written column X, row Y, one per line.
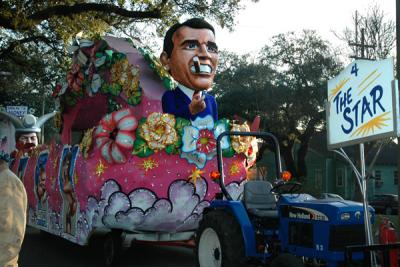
column 146, row 56
column 141, row 149
column 141, row 122
column 104, row 88
column 228, row 153
column 170, row 149
column 112, row 105
column 109, row 54
column 118, row 56
column 174, row 148
column 226, row 122
column 135, row 98
column 180, row 124
column 168, row 84
column 115, row 89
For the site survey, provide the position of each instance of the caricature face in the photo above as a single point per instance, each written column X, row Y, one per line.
column 41, row 187
column 189, row 43
column 29, row 140
column 42, row 179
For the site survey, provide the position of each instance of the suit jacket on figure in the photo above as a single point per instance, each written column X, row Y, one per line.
column 176, row 102
column 13, row 205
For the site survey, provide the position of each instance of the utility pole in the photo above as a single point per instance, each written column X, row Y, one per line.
column 359, row 149
column 397, row 75
column 362, row 46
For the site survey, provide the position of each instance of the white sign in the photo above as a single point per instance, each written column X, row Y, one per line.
column 362, row 103
column 18, row 111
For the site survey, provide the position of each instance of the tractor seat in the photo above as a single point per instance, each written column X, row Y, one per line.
column 259, row 200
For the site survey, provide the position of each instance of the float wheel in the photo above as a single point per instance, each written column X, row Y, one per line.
column 112, row 248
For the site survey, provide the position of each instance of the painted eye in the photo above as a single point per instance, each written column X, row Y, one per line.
column 212, row 48
column 191, row 45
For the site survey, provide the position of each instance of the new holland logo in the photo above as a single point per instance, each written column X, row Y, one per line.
column 304, row 214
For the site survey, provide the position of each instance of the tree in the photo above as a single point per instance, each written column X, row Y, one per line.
column 286, row 86
column 378, row 33
column 34, row 34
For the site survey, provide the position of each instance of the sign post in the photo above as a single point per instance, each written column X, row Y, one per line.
column 362, row 106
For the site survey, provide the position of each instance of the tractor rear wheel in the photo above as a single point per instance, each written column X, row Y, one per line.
column 286, row 260
column 219, row 241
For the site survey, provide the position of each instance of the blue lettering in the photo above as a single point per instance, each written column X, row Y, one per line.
column 375, row 98
column 365, row 108
column 336, row 100
column 355, row 110
column 342, row 101
column 349, row 100
column 348, row 119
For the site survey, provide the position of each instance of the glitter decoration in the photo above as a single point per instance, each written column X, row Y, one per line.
column 100, row 168
column 148, row 164
column 235, row 168
column 196, row 174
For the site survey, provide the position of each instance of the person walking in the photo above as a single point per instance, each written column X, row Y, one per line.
column 13, row 208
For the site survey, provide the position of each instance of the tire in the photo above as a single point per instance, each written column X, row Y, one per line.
column 219, row 241
column 286, row 260
column 112, row 247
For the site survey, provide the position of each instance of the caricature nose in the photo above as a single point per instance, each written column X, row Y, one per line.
column 204, row 51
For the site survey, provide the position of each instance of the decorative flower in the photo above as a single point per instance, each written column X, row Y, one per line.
column 159, row 131
column 75, row 77
column 199, row 140
column 127, row 76
column 86, row 143
column 241, row 143
column 115, row 135
column 251, row 152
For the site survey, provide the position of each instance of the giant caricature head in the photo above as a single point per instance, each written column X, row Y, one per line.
column 184, row 44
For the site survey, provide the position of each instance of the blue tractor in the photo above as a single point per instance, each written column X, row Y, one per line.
column 272, row 224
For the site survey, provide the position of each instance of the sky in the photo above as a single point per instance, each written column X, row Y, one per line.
column 258, row 22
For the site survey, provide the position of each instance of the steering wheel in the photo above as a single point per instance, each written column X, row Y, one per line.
column 286, row 188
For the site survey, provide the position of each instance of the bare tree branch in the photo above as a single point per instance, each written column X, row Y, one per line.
column 17, row 43
column 66, row 10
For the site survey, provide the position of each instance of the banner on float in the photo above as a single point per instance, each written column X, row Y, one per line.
column 362, row 103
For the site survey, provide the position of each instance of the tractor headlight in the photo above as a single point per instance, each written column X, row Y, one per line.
column 345, row 216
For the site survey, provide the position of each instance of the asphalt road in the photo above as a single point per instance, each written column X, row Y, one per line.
column 40, row 250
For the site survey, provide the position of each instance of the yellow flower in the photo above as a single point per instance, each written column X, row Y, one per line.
column 241, row 143
column 159, row 130
column 125, row 75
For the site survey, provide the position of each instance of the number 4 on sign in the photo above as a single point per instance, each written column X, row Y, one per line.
column 354, row 69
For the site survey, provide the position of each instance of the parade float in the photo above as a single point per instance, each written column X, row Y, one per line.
column 120, row 165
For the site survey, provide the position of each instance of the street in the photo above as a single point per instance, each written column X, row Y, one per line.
column 40, row 250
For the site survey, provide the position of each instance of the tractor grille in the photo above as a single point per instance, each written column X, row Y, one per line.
column 346, row 235
column 301, row 234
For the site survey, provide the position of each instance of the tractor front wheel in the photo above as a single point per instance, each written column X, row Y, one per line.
column 219, row 241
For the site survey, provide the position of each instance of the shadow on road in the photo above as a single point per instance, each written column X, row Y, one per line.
column 45, row 250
